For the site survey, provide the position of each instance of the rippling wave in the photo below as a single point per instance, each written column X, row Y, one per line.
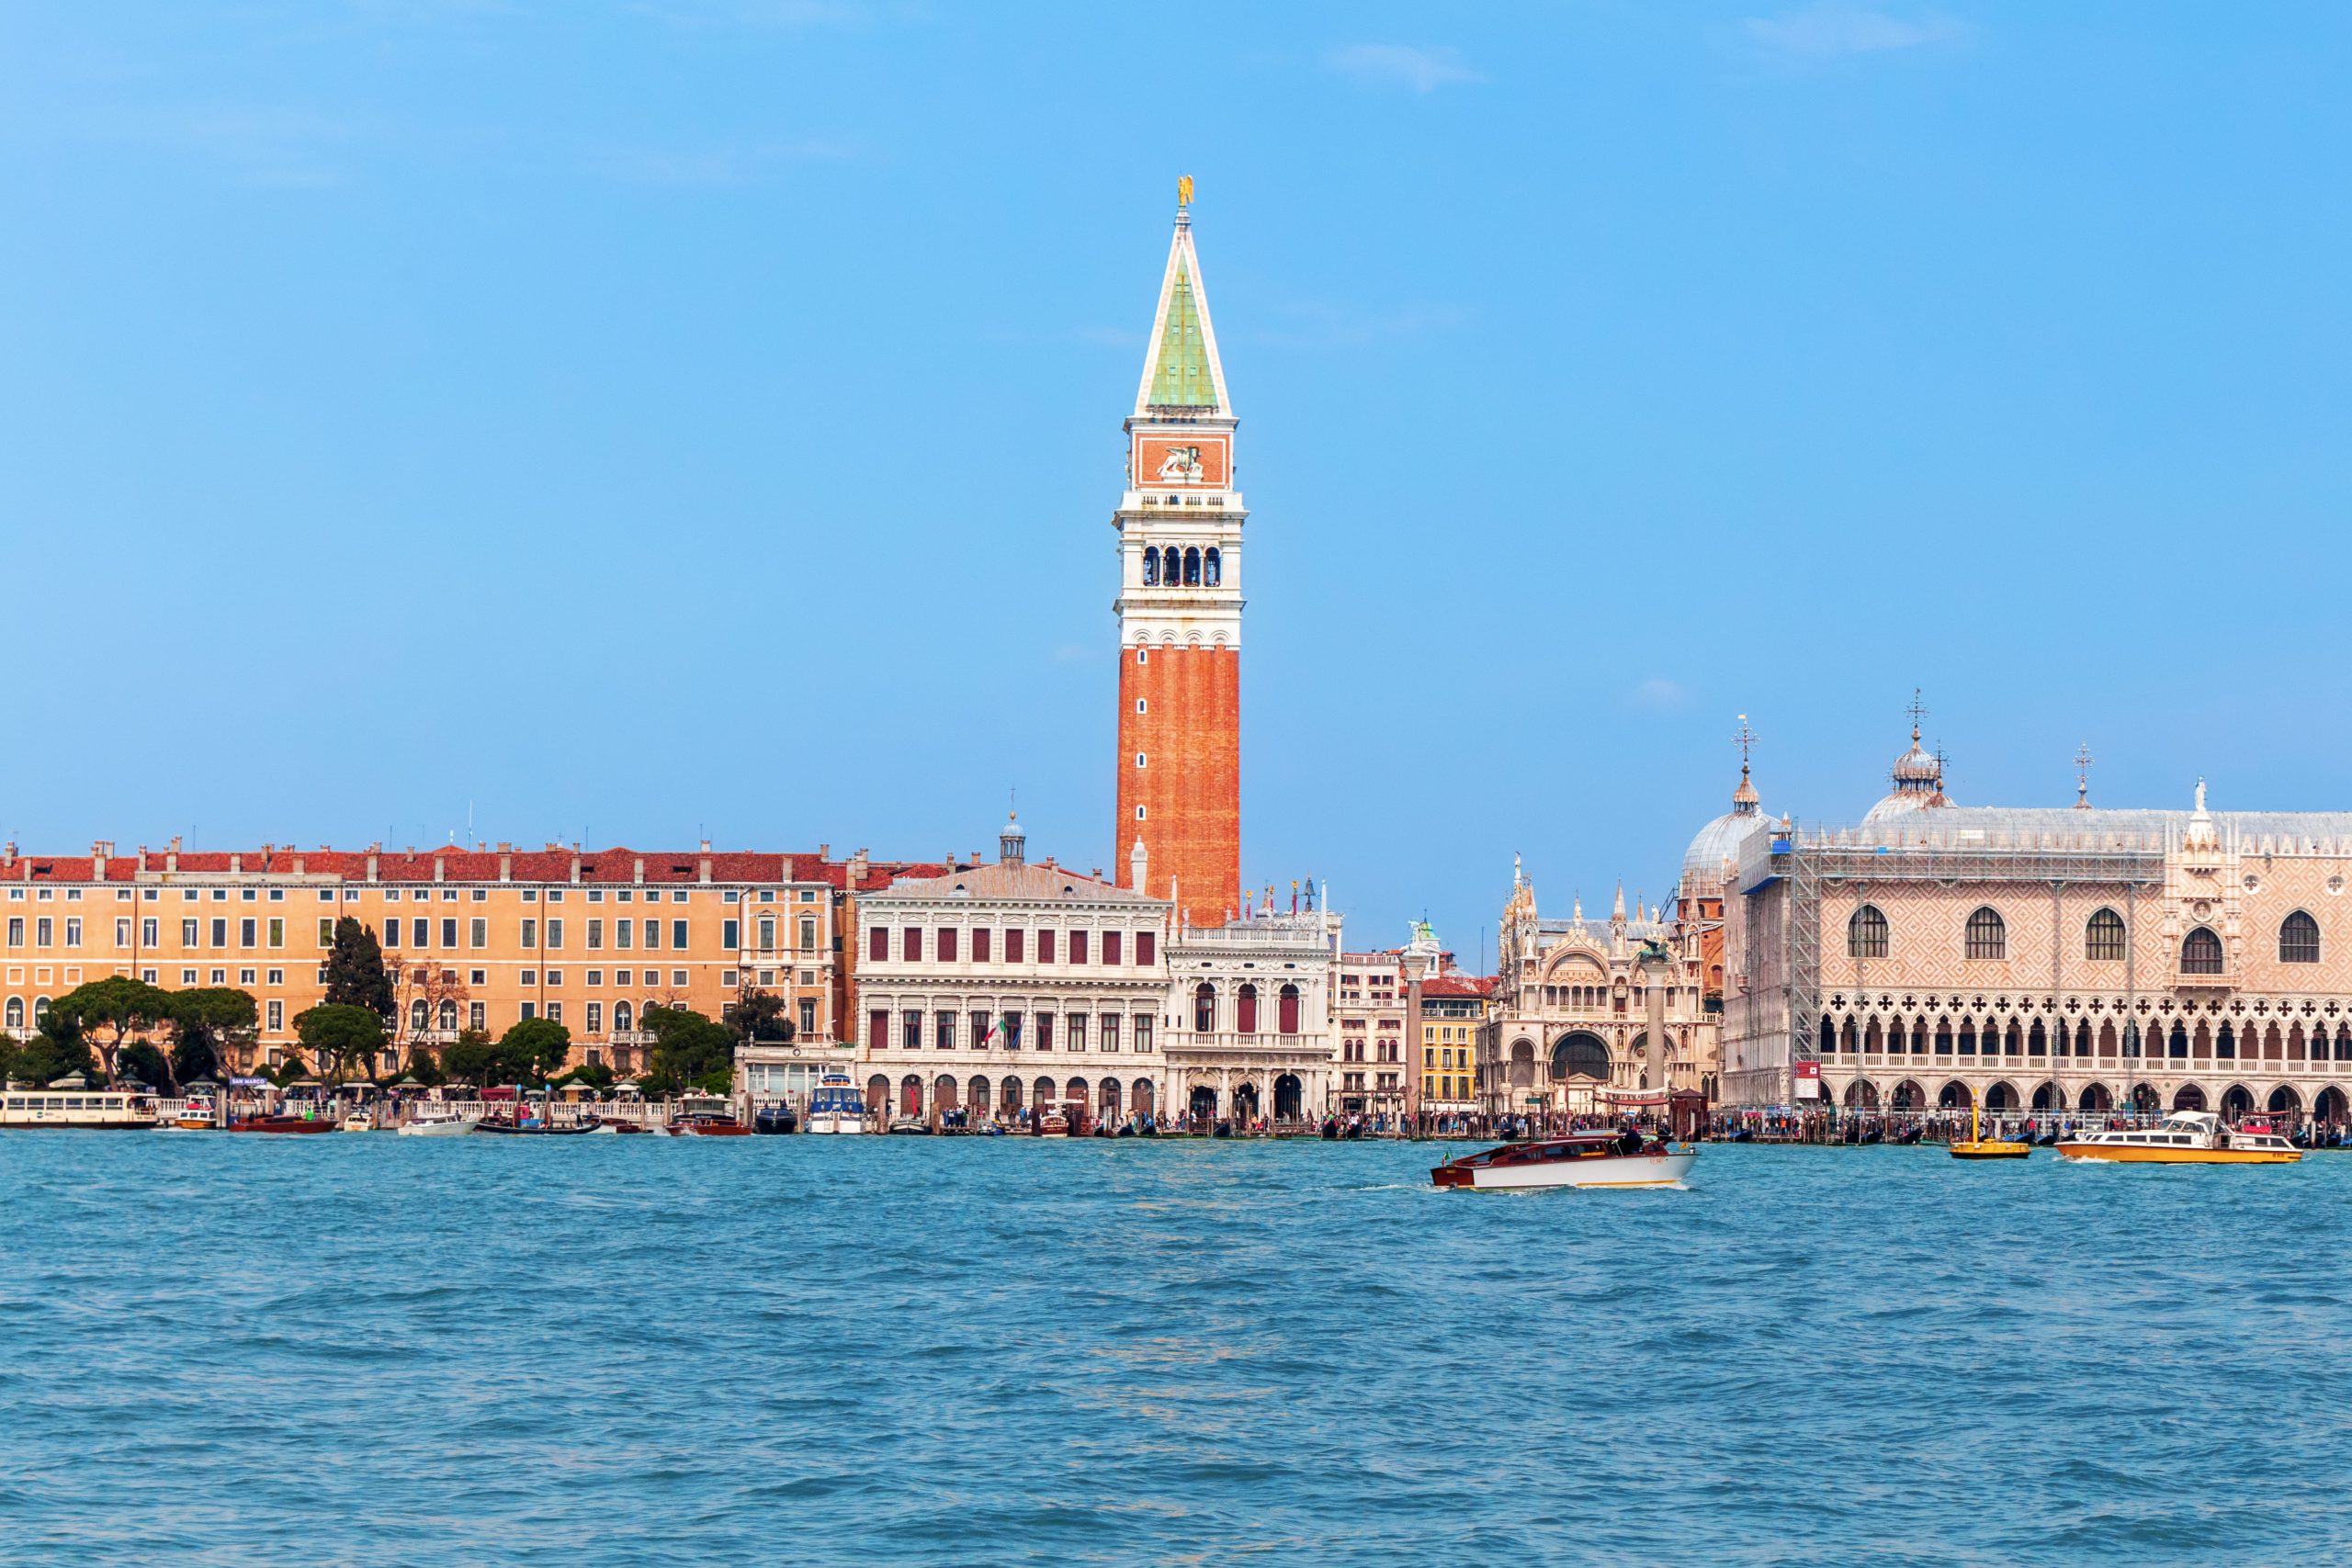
column 378, row 1351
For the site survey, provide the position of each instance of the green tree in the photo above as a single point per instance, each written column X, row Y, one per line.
column 206, row 1022
column 470, row 1058
column 119, row 1005
column 533, row 1049
column 45, row 1058
column 688, row 1049
column 356, row 974
column 141, row 1062
column 761, row 1016
column 340, row 1037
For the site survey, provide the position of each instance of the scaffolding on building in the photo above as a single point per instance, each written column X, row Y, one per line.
column 1804, row 863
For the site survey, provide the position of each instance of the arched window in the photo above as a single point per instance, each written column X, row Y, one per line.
column 416, row 1010
column 2298, row 939
column 1987, row 937
column 1245, row 1010
column 2201, row 952
column 16, row 1012
column 623, row 1020
column 1579, row 1055
column 1286, row 1011
column 449, row 1014
column 1192, row 568
column 1866, row 933
column 1150, row 568
column 2103, row 938
column 1212, row 569
column 1204, row 1008
column 41, row 1012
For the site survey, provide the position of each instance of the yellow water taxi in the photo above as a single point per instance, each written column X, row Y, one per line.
column 2185, row 1137
column 1977, row 1147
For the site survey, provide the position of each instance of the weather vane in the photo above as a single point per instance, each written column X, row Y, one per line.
column 1919, row 710
column 1743, row 740
column 2083, row 761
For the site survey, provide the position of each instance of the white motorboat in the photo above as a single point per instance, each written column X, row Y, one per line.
column 361, row 1120
column 1595, row 1158
column 434, row 1120
column 836, row 1107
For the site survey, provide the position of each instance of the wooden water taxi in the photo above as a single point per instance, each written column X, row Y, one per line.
column 1595, row 1158
column 2185, row 1137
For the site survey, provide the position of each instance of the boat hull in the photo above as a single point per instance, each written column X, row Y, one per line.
column 825, row 1122
column 437, row 1129
column 1608, row 1170
column 287, row 1125
column 2114, row 1153
column 1991, row 1149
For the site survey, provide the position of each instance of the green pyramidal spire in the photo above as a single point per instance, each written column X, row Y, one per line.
column 1179, row 372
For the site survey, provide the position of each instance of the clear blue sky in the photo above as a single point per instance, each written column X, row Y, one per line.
column 703, row 415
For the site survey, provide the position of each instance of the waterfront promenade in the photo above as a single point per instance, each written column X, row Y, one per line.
column 889, row 1350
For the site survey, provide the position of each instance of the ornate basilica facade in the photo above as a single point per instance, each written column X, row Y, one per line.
column 1936, row 955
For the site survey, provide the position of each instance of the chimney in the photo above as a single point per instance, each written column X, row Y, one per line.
column 171, row 857
column 143, row 860
column 505, row 864
column 857, row 868
column 98, row 853
column 299, row 861
column 438, row 867
column 373, row 851
column 702, row 865
column 575, row 867
column 236, row 865
column 824, row 851
column 640, row 869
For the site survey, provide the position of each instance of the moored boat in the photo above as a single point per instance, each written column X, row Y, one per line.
column 2185, row 1137
column 436, row 1121
column 1595, row 1158
column 708, row 1124
column 110, row 1110
column 1053, row 1124
column 199, row 1111
column 774, row 1117
column 282, row 1125
column 836, row 1107
column 361, row 1120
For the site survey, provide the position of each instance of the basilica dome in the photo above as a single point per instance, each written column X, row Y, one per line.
column 1917, row 778
column 1719, row 840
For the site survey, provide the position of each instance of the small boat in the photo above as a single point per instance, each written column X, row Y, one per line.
column 198, row 1113
column 907, row 1126
column 1053, row 1124
column 436, row 1121
column 1977, row 1147
column 361, row 1120
column 775, row 1117
column 2185, row 1137
column 1595, row 1158
column 282, row 1125
column 836, row 1107
column 534, row 1128
column 707, row 1124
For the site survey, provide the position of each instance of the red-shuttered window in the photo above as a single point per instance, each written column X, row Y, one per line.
column 979, row 944
column 1078, row 947
column 877, row 943
column 1286, row 1011
column 1012, row 938
column 946, row 945
column 910, row 944
column 1146, row 942
column 1044, row 947
column 877, row 1029
column 1110, row 947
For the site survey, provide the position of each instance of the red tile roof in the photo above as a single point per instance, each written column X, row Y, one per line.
column 615, row 865
column 1458, row 986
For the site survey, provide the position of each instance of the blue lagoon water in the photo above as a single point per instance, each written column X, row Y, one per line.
column 375, row 1349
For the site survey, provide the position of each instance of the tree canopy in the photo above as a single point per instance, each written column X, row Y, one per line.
column 761, row 1016
column 356, row 973
column 205, row 1021
column 525, row 1054
column 44, row 1058
column 340, row 1037
column 119, row 1005
column 689, row 1051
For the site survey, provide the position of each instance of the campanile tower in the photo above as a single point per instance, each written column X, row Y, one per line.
column 1179, row 610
